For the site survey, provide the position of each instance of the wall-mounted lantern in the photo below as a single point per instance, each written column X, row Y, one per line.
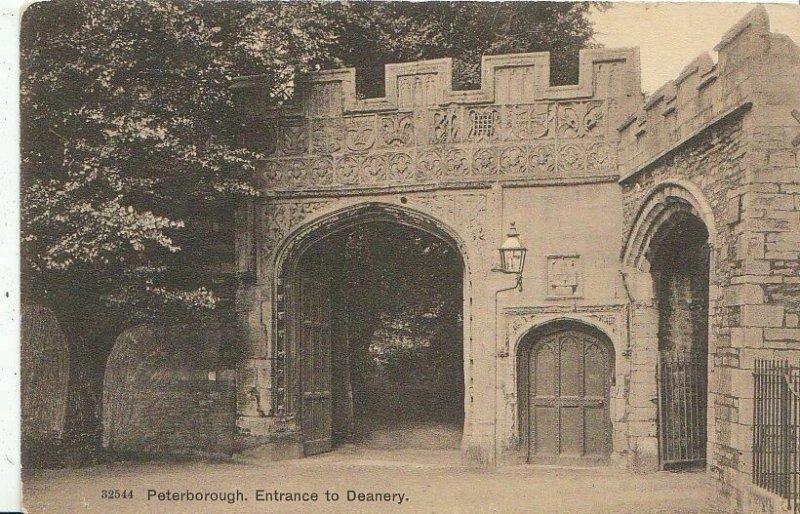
column 512, row 257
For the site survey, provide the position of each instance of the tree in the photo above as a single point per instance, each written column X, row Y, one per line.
column 128, row 148
column 131, row 164
column 377, row 33
column 127, row 133
column 127, row 126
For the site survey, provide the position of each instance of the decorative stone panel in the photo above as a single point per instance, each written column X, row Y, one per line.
column 516, row 127
column 610, row 318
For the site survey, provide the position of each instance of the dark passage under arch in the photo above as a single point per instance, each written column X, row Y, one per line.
column 375, row 338
column 679, row 259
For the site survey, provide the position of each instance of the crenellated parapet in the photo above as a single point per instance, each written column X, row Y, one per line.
column 703, row 94
column 516, row 127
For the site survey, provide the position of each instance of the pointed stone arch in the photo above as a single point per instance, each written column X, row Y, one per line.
column 666, row 204
column 285, row 274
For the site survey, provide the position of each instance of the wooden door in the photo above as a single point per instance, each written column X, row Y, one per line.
column 568, row 382
column 314, row 332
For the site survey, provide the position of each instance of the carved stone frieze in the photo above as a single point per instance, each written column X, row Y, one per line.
column 542, row 159
column 457, row 163
column 347, row 169
column 293, row 138
column 580, row 119
column 429, row 165
column 484, row 162
column 373, row 170
column 322, row 171
column 281, row 218
column 513, row 161
column 600, row 156
column 400, row 167
column 519, row 320
column 535, row 121
column 361, row 132
column 519, row 141
column 327, row 137
column 445, row 126
column 571, row 157
column 484, row 124
column 397, row 131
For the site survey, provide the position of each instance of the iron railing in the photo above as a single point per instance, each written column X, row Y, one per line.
column 682, row 400
column 776, row 429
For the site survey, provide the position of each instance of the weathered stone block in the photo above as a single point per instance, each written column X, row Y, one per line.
column 762, row 315
column 783, row 158
column 741, row 383
column 642, row 428
column 645, row 452
column 757, row 279
column 783, row 334
column 756, row 267
column 786, row 175
column 769, row 202
column 747, row 337
column 743, row 294
column 750, row 246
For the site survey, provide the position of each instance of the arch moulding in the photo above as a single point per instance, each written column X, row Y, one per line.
column 664, row 200
column 335, row 217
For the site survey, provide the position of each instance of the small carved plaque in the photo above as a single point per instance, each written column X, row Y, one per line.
column 564, row 276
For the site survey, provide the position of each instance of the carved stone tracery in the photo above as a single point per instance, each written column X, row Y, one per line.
column 536, row 140
column 520, row 320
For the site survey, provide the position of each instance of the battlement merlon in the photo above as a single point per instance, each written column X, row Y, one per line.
column 752, row 65
column 505, row 79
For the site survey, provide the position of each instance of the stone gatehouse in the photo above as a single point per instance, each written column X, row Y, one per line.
column 661, row 225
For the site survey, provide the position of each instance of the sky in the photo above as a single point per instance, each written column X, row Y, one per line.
column 670, row 35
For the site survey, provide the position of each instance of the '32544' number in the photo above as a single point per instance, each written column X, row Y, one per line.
column 116, row 494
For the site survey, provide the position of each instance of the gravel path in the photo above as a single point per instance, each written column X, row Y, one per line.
column 388, row 480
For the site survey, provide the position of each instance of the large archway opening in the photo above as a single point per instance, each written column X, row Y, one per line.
column 679, row 264
column 374, row 346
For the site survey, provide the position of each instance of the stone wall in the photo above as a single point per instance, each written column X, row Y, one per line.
column 44, row 377
column 516, row 127
column 722, row 139
column 463, row 164
column 167, row 392
column 718, row 143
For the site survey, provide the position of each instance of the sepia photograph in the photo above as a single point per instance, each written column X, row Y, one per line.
column 408, row 257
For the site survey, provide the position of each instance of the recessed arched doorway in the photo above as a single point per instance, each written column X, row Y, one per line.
column 370, row 331
column 679, row 264
column 671, row 240
column 565, row 374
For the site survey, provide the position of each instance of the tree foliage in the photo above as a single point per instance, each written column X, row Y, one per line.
column 128, row 134
column 132, row 162
column 400, row 290
column 383, row 32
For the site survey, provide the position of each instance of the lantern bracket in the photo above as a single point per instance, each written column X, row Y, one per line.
column 512, row 258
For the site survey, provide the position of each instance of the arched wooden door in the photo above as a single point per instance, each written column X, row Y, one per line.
column 565, row 387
